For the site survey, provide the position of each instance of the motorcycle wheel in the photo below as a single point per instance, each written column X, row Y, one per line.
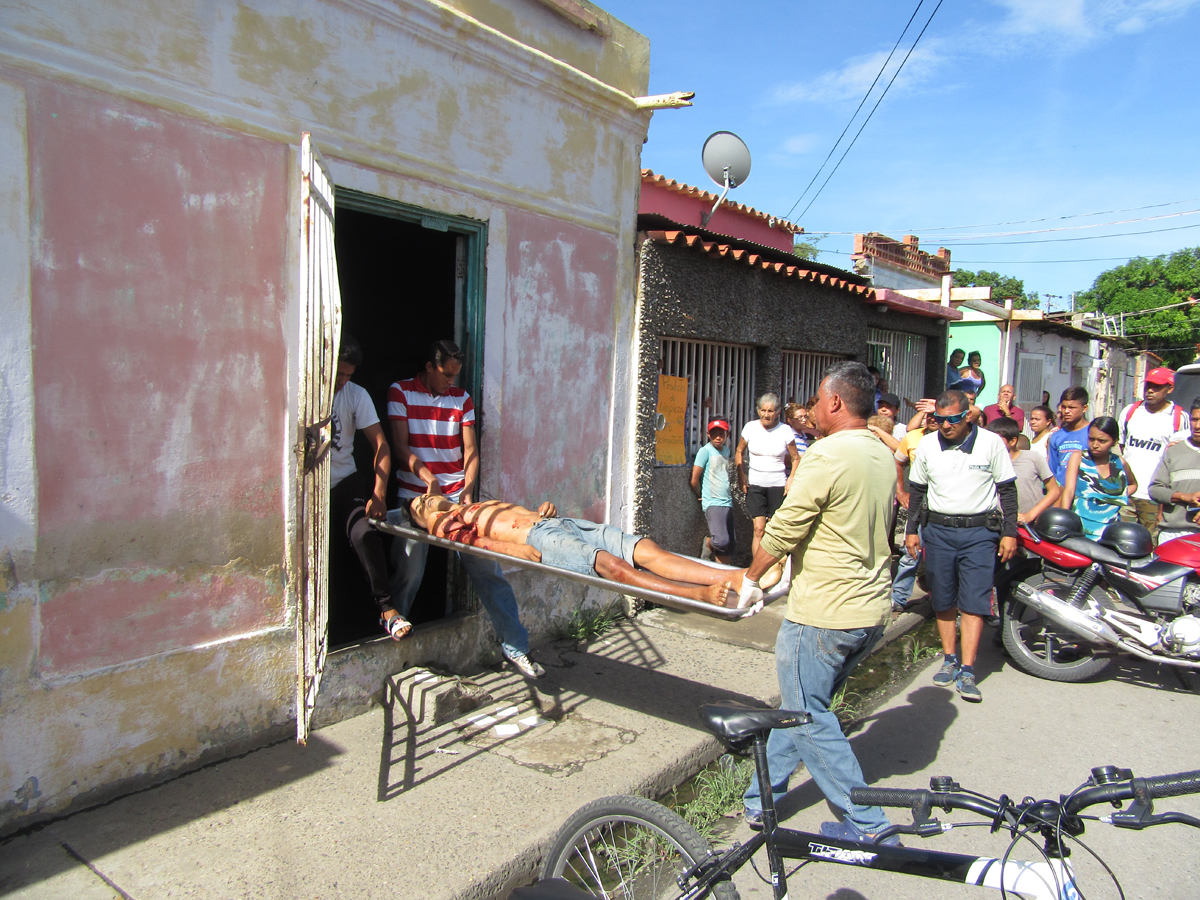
column 1043, row 649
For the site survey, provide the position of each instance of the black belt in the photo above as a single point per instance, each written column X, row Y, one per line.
column 979, row 521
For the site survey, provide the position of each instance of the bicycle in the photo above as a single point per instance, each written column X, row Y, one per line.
column 631, row 847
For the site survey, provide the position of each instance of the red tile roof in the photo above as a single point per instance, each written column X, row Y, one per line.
column 788, row 270
column 710, row 198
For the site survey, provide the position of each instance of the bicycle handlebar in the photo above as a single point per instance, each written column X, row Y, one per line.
column 1126, row 789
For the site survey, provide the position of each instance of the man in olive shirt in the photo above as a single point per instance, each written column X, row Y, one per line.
column 834, row 523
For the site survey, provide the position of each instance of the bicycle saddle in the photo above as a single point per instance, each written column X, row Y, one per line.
column 734, row 721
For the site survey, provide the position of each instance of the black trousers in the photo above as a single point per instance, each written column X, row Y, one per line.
column 348, row 514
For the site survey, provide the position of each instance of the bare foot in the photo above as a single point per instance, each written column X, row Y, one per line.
column 771, row 576
column 719, row 594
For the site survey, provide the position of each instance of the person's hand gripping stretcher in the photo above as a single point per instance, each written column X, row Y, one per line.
column 585, row 547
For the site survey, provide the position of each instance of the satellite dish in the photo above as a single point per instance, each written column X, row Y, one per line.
column 726, row 159
column 727, row 162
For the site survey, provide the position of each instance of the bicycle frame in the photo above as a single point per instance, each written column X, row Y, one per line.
column 1043, row 880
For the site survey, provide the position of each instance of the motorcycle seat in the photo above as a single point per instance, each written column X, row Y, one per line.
column 1101, row 554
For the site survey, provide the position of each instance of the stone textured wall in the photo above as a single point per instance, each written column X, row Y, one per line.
column 686, row 294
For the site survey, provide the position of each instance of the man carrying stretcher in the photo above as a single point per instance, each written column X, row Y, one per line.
column 578, row 545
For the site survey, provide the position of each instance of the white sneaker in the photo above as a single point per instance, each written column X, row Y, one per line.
column 526, row 666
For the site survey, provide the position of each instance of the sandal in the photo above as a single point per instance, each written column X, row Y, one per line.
column 397, row 626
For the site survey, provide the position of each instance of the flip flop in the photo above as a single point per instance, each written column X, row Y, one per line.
column 397, row 627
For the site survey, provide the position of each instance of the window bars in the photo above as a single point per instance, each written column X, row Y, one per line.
column 900, row 358
column 802, row 374
column 720, row 383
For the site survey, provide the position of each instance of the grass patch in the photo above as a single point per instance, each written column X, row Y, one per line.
column 717, row 790
column 585, row 625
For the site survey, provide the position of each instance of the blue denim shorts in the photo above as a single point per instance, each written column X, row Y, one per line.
column 572, row 544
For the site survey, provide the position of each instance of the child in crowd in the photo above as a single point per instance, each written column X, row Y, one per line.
column 1036, row 488
column 710, row 484
column 1098, row 483
column 882, row 427
column 1072, row 436
column 1041, row 424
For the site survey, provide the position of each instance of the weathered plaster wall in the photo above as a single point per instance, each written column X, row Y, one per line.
column 148, row 254
column 687, row 294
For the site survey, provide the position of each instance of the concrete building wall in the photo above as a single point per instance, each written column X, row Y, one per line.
column 683, row 293
column 149, row 265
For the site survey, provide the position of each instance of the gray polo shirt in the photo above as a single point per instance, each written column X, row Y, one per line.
column 962, row 478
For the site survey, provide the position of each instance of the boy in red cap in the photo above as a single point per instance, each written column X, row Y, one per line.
column 710, row 484
column 1147, row 427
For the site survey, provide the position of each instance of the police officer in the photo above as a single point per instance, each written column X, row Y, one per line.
column 964, row 486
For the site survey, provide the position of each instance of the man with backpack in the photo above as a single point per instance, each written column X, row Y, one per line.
column 1147, row 427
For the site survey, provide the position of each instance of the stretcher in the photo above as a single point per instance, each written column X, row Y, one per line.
column 669, row 600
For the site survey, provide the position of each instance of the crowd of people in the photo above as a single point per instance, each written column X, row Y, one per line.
column 966, row 477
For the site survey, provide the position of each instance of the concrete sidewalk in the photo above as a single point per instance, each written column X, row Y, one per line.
column 454, row 789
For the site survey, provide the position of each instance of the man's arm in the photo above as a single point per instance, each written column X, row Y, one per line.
column 377, row 505
column 1008, row 533
column 410, row 460
column 901, row 494
column 470, row 464
column 1053, row 492
column 743, row 480
column 697, row 471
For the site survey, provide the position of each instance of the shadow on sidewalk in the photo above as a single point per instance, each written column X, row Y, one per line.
column 890, row 744
column 620, row 669
column 34, row 855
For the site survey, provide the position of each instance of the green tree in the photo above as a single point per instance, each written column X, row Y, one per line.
column 1147, row 284
column 1003, row 287
column 808, row 249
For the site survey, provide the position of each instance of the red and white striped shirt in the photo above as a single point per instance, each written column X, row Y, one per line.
column 435, row 423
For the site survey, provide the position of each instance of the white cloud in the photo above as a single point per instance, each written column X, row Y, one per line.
column 856, row 74
column 1083, row 20
column 800, row 143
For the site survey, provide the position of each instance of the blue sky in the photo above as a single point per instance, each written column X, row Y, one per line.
column 1007, row 111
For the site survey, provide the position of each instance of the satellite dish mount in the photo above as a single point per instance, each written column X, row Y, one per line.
column 727, row 161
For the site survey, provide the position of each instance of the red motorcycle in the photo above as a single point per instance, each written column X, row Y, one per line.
column 1074, row 604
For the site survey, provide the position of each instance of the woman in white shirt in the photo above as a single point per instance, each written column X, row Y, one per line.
column 765, row 447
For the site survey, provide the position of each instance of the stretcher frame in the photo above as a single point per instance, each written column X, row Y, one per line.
column 595, row 581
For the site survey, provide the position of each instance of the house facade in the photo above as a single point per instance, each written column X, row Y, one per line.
column 198, row 197
column 730, row 313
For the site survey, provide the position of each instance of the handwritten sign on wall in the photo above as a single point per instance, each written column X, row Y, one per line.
column 669, row 447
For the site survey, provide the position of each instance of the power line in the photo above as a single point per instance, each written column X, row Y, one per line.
column 1105, row 212
column 1088, row 237
column 854, row 140
column 1012, row 262
column 853, row 116
column 974, row 237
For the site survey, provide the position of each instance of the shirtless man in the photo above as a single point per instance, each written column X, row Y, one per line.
column 576, row 545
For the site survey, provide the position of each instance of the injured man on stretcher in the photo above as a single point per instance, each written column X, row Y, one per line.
column 578, row 545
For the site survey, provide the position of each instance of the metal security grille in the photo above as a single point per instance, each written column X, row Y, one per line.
column 1030, row 370
column 802, row 374
column 901, row 359
column 720, row 383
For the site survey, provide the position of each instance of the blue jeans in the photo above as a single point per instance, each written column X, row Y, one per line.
column 495, row 593
column 812, row 664
column 906, row 576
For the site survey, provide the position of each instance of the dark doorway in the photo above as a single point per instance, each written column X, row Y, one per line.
column 399, row 287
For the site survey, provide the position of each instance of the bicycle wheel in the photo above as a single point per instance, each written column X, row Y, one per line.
column 1040, row 648
column 627, row 847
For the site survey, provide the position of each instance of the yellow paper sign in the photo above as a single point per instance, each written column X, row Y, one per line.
column 669, row 447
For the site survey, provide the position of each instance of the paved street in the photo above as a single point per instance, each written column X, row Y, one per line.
column 1028, row 737
column 401, row 803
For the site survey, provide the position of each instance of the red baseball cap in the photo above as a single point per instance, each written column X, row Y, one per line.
column 1160, row 376
column 717, row 423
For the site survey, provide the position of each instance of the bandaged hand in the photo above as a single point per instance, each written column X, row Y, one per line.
column 750, row 593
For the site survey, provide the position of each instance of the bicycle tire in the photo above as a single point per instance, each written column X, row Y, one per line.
column 1033, row 643
column 630, row 848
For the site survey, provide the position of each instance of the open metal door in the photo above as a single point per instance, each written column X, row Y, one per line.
column 320, row 333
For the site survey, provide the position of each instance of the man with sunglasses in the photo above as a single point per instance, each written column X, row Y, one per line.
column 433, row 436
column 963, row 494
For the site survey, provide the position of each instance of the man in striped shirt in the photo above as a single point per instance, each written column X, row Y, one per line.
column 433, row 437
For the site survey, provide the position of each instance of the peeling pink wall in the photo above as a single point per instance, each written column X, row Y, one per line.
column 558, row 322
column 160, row 376
column 686, row 210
